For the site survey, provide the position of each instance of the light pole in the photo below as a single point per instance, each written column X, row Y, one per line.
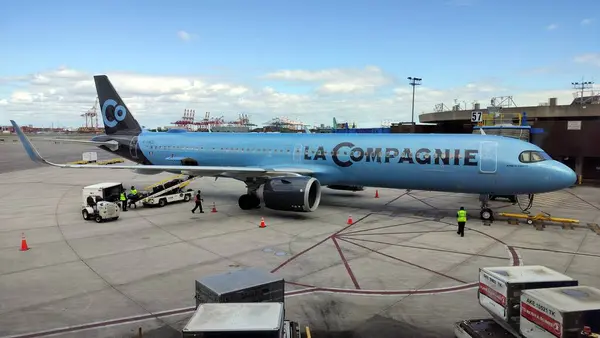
column 414, row 81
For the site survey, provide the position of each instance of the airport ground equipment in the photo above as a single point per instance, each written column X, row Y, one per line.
column 500, row 289
column 106, row 196
column 90, row 157
column 105, row 162
column 243, row 285
column 237, row 320
column 542, row 216
column 235, row 303
column 533, row 302
column 171, row 191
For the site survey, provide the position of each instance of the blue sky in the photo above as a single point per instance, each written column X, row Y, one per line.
column 445, row 42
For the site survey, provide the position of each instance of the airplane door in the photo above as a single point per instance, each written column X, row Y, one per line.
column 297, row 154
column 133, row 145
column 488, row 158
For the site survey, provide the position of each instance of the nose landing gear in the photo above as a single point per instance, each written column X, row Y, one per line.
column 486, row 214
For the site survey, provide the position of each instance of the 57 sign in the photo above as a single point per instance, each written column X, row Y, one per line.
column 476, row 116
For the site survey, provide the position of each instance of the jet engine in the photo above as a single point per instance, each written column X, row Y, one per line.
column 292, row 193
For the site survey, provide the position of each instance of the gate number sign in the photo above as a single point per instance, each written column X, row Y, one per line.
column 476, row 116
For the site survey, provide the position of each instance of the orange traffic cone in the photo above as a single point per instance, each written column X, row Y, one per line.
column 24, row 246
column 214, row 208
column 376, row 193
column 262, row 223
column 349, row 220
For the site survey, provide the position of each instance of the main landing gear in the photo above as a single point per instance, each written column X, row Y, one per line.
column 250, row 200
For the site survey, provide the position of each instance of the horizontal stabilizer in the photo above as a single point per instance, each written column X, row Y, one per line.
column 216, row 171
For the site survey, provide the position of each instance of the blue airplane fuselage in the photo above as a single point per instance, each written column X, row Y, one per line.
column 466, row 163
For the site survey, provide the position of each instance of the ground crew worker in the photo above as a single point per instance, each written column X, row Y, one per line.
column 461, row 218
column 91, row 202
column 133, row 196
column 198, row 199
column 123, row 199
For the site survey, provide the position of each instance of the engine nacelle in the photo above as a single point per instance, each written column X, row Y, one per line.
column 346, row 187
column 292, row 193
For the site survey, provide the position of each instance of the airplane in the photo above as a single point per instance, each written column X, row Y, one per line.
column 292, row 168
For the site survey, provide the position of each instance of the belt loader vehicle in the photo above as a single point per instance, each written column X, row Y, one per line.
column 245, row 303
column 167, row 192
column 533, row 302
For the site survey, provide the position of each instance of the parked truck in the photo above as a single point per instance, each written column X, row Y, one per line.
column 533, row 302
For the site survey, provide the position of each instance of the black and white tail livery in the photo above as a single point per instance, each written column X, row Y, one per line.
column 117, row 118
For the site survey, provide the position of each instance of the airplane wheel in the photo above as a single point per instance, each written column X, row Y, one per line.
column 486, row 214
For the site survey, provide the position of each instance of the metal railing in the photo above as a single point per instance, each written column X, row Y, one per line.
column 491, row 119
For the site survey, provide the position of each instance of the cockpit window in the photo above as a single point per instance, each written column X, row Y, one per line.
column 532, row 156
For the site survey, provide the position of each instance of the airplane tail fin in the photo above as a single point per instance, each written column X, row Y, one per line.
column 117, row 118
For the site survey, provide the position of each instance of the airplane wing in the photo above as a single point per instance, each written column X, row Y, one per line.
column 113, row 145
column 216, row 171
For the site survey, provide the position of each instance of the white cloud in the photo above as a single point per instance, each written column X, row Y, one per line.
column 586, row 22
column 185, row 36
column 61, row 95
column 552, row 27
column 589, row 58
column 333, row 81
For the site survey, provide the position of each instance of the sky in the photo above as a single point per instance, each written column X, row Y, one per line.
column 305, row 60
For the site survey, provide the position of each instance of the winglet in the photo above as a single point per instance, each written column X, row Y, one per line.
column 34, row 155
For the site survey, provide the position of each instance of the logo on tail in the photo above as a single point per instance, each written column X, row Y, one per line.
column 119, row 113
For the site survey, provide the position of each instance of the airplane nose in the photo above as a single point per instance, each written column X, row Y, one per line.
column 564, row 176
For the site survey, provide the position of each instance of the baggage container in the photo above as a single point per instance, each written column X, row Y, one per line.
column 500, row 289
column 565, row 312
column 237, row 320
column 240, row 286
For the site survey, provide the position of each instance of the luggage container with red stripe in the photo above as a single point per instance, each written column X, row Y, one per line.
column 500, row 289
column 563, row 312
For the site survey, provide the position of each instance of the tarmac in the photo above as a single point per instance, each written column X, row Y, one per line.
column 399, row 268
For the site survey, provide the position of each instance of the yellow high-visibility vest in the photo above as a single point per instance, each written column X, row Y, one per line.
column 461, row 216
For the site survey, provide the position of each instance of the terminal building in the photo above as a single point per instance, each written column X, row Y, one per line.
column 570, row 133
